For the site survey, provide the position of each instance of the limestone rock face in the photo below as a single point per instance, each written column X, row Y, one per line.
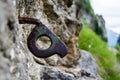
column 60, row 16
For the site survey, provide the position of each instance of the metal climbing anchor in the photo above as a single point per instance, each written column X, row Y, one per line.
column 56, row 47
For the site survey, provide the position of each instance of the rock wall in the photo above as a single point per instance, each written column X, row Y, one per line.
column 60, row 16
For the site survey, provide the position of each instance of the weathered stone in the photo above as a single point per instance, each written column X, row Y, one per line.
column 50, row 74
column 87, row 64
column 17, row 62
column 58, row 18
column 85, row 70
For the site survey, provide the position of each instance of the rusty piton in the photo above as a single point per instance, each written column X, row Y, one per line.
column 56, row 47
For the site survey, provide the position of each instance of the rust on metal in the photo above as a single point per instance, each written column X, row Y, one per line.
column 56, row 47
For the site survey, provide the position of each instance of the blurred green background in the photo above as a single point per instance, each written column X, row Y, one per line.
column 108, row 59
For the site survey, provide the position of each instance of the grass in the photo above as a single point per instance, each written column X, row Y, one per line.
column 106, row 60
column 118, row 54
column 87, row 8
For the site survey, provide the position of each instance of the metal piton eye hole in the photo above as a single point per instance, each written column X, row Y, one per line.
column 43, row 42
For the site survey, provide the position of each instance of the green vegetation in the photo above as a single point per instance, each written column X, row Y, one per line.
column 118, row 54
column 87, row 7
column 87, row 10
column 105, row 58
column 90, row 41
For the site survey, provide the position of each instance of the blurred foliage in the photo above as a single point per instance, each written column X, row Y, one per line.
column 118, row 47
column 98, row 29
column 118, row 54
column 87, row 7
column 106, row 59
column 118, row 57
column 118, row 40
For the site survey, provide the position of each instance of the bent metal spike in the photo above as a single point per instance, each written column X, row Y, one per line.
column 57, row 46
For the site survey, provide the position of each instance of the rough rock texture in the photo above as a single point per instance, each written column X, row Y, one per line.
column 17, row 62
column 59, row 17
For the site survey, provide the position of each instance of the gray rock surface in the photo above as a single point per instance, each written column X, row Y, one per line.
column 88, row 65
column 17, row 62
